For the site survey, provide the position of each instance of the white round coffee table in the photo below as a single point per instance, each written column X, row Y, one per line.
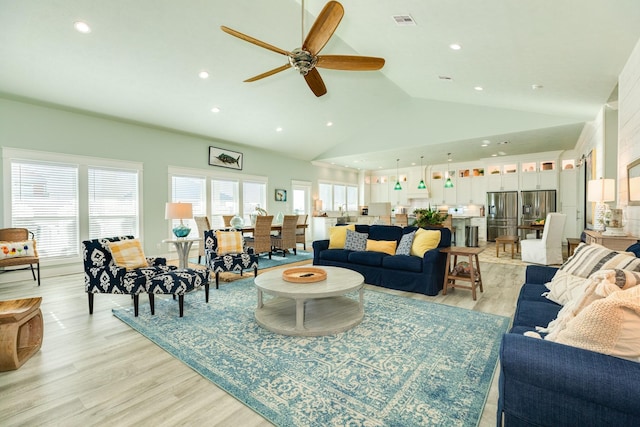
column 310, row 309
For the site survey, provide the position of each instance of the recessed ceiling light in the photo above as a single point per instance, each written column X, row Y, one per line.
column 203, row 74
column 215, row 110
column 494, row 155
column 484, row 144
column 278, row 129
column 478, row 88
column 329, row 124
column 536, row 87
column 455, row 46
column 502, row 153
column 82, row 27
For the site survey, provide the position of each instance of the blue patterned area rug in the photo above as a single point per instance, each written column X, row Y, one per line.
column 408, row 363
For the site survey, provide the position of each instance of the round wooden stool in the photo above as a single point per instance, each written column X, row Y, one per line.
column 21, row 330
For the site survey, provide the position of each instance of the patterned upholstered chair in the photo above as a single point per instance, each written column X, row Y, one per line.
column 218, row 263
column 177, row 283
column 103, row 276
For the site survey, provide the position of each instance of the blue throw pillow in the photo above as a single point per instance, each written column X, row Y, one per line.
column 404, row 247
column 355, row 241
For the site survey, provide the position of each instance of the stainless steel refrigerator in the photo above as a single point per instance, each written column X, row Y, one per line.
column 536, row 205
column 502, row 214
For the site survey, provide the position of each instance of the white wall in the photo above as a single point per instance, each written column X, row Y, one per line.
column 629, row 134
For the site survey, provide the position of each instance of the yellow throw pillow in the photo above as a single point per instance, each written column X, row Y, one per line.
column 229, row 242
column 338, row 235
column 128, row 254
column 424, row 241
column 386, row 246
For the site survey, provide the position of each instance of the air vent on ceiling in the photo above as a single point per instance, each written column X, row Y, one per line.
column 404, row 20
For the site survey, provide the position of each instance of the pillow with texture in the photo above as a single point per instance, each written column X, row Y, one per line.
column 386, row 246
column 355, row 241
column 406, row 242
column 229, row 242
column 128, row 254
column 424, row 240
column 17, row 249
column 587, row 259
column 338, row 235
column 609, row 326
column 565, row 287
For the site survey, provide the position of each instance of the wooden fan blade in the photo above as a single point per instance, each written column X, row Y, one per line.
column 322, row 30
column 315, row 82
column 268, row 73
column 255, row 41
column 350, row 62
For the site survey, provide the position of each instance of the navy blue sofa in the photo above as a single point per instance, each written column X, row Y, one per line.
column 405, row 273
column 543, row 383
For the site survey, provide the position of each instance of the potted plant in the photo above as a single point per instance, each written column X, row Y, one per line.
column 429, row 218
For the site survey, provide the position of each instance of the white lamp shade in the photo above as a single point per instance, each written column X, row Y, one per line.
column 178, row 211
column 601, row 190
column 634, row 188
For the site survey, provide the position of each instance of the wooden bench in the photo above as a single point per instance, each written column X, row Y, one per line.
column 21, row 330
column 504, row 240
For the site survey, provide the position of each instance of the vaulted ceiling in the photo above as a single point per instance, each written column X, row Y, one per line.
column 141, row 60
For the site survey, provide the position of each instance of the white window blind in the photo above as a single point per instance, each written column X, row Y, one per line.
column 254, row 195
column 189, row 189
column 113, row 203
column 352, row 199
column 325, row 192
column 44, row 199
column 225, row 200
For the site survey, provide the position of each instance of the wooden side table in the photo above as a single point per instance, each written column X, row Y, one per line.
column 616, row 243
column 474, row 277
column 504, row 240
column 21, row 330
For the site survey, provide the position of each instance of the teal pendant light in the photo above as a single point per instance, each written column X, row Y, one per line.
column 397, row 186
column 421, row 185
column 448, row 183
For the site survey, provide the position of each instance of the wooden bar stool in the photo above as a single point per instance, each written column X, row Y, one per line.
column 21, row 330
column 474, row 276
column 504, row 240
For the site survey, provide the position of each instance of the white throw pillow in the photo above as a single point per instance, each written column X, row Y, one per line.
column 565, row 287
column 608, row 326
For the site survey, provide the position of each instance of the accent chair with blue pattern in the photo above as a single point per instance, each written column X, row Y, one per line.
column 103, row 276
column 229, row 262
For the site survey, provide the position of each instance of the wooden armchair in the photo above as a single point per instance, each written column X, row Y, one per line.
column 18, row 247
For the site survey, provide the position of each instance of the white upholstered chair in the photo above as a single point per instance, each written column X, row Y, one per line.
column 547, row 250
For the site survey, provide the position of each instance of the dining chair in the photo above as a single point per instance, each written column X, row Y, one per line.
column 227, row 220
column 548, row 249
column 287, row 237
column 301, row 233
column 261, row 239
column 19, row 248
column 202, row 222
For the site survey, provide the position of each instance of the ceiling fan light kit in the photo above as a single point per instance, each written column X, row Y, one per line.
column 306, row 59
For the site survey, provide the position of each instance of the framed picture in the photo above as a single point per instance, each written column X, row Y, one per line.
column 225, row 158
column 281, row 195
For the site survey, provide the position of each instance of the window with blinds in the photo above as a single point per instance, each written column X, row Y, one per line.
column 113, row 202
column 254, row 195
column 190, row 189
column 44, row 199
column 225, row 200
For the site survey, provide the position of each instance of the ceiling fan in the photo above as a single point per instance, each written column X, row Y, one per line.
column 306, row 59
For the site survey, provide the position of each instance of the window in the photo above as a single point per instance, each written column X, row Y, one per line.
column 225, row 200
column 113, row 202
column 254, row 195
column 352, row 198
column 44, row 199
column 325, row 193
column 190, row 189
column 337, row 196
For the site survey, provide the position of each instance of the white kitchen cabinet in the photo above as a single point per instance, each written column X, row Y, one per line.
column 502, row 182
column 436, row 189
column 478, row 190
column 539, row 180
column 415, row 174
column 463, row 190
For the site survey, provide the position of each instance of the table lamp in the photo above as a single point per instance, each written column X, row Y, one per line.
column 179, row 211
column 600, row 191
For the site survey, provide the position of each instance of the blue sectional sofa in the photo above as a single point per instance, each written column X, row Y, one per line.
column 402, row 272
column 544, row 383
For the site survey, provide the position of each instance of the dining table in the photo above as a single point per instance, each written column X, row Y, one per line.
column 538, row 228
column 274, row 227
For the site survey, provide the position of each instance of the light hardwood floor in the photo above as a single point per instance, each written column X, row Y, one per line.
column 95, row 370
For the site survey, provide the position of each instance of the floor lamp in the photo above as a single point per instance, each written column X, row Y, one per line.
column 600, row 191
